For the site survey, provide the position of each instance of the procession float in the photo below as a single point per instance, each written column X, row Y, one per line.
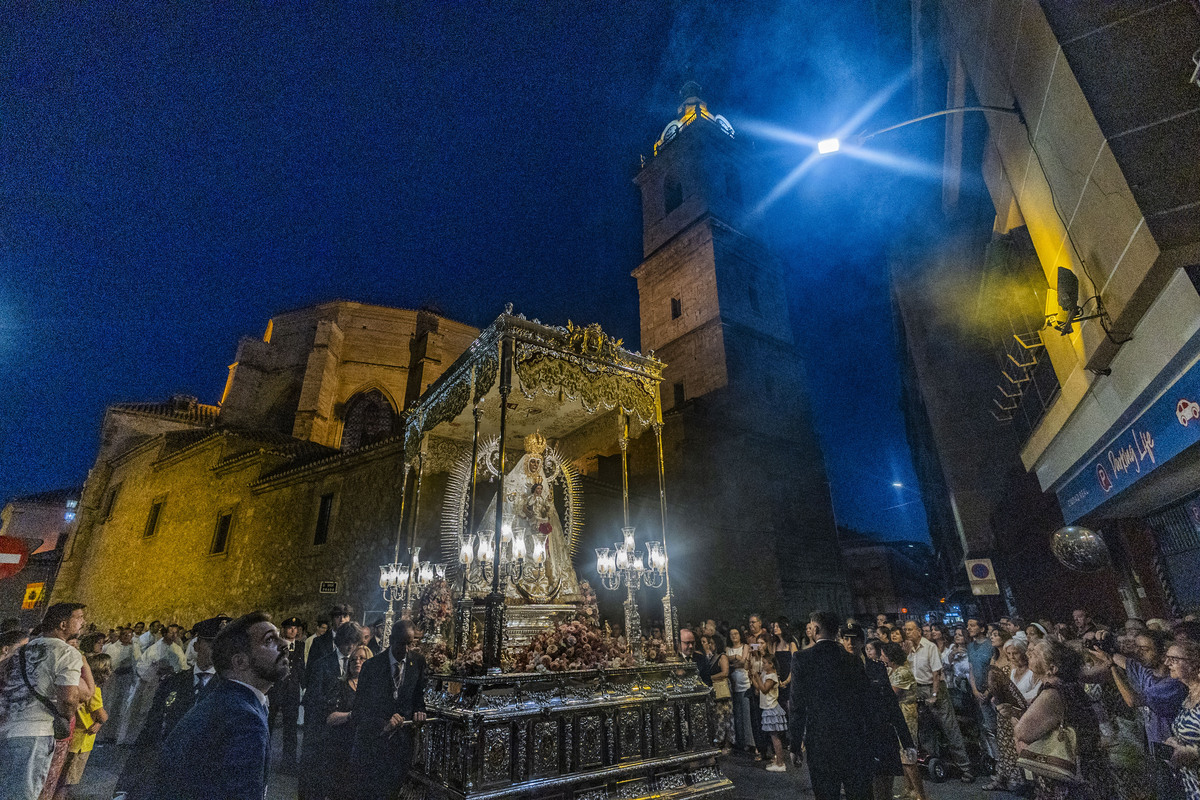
column 529, row 694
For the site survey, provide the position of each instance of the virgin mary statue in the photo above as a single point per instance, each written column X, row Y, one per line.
column 529, row 504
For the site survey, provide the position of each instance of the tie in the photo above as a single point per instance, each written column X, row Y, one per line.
column 341, row 664
column 397, row 671
column 201, row 681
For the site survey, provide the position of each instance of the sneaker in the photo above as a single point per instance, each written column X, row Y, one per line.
column 776, row 768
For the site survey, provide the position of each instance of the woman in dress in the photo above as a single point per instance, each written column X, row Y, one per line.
column 1183, row 660
column 1010, row 703
column 339, row 733
column 903, row 683
column 783, row 647
column 774, row 718
column 718, row 671
column 738, row 655
column 1061, row 701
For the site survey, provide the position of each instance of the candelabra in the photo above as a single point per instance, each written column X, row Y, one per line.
column 398, row 580
column 623, row 564
column 522, row 560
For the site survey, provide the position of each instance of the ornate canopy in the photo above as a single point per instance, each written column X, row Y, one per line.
column 560, row 377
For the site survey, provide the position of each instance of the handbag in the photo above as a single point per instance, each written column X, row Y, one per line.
column 721, row 689
column 62, row 725
column 1053, row 756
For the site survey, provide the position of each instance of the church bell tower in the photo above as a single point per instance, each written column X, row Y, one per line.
column 713, row 304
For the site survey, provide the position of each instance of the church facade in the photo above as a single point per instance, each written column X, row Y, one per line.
column 289, row 493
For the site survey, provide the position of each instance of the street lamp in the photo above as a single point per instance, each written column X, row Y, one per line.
column 398, row 580
column 833, row 145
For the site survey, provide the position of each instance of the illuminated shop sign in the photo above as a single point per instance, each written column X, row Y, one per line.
column 1164, row 430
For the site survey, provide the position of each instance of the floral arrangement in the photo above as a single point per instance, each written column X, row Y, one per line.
column 434, row 608
column 655, row 649
column 578, row 644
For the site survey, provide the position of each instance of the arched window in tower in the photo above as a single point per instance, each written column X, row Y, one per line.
column 369, row 417
column 733, row 186
column 672, row 194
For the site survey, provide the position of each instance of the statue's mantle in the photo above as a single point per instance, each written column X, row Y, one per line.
column 614, row 734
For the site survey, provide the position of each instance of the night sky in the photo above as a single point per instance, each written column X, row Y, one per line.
column 175, row 174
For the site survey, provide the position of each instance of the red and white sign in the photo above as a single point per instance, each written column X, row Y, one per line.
column 14, row 553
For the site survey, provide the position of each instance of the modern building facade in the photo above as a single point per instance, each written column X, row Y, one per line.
column 1089, row 414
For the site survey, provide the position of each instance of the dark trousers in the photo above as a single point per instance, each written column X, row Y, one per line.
column 286, row 714
column 827, row 783
column 761, row 740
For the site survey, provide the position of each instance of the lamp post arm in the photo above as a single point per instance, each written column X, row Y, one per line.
column 862, row 137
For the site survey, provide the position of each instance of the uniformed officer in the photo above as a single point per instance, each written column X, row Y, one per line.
column 175, row 697
column 285, row 695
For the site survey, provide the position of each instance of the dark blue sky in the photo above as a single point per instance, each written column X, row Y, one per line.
column 175, row 174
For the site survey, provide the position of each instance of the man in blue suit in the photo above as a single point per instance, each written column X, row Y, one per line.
column 390, row 697
column 220, row 750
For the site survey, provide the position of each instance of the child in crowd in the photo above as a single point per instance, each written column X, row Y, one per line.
column 90, row 717
column 774, row 718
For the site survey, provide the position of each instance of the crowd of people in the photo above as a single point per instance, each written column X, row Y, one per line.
column 868, row 703
column 1055, row 711
column 192, row 711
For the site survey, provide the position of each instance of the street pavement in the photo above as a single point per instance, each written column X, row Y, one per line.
column 750, row 780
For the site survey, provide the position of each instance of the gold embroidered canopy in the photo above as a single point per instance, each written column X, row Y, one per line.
column 560, row 376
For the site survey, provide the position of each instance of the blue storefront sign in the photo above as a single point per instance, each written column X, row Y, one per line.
column 1164, row 430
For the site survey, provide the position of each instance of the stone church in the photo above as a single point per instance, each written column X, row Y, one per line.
column 286, row 495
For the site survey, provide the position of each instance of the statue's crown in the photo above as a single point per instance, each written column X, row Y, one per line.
column 535, row 444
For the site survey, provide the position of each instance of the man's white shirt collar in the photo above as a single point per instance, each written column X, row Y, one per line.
column 262, row 698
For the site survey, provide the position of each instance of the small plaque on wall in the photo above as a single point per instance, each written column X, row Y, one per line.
column 328, row 587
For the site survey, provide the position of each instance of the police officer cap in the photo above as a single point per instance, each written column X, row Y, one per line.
column 293, row 622
column 853, row 631
column 209, row 628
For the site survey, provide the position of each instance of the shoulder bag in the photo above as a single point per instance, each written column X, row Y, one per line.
column 62, row 725
column 1053, row 756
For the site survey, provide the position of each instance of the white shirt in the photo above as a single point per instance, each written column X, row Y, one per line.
column 769, row 699
column 1028, row 685
column 160, row 651
column 396, row 679
column 924, row 661
column 124, row 656
column 49, row 663
column 262, row 698
column 145, row 640
column 211, row 672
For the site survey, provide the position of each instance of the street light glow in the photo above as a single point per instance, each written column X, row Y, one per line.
column 827, row 146
column 898, row 485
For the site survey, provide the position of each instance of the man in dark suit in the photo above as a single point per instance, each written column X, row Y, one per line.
column 222, row 747
column 323, row 646
column 174, row 698
column 285, row 695
column 830, row 713
column 390, row 697
column 323, row 677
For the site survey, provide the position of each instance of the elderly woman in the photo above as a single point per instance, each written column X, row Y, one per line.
column 1183, row 660
column 1010, row 702
column 1061, row 701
